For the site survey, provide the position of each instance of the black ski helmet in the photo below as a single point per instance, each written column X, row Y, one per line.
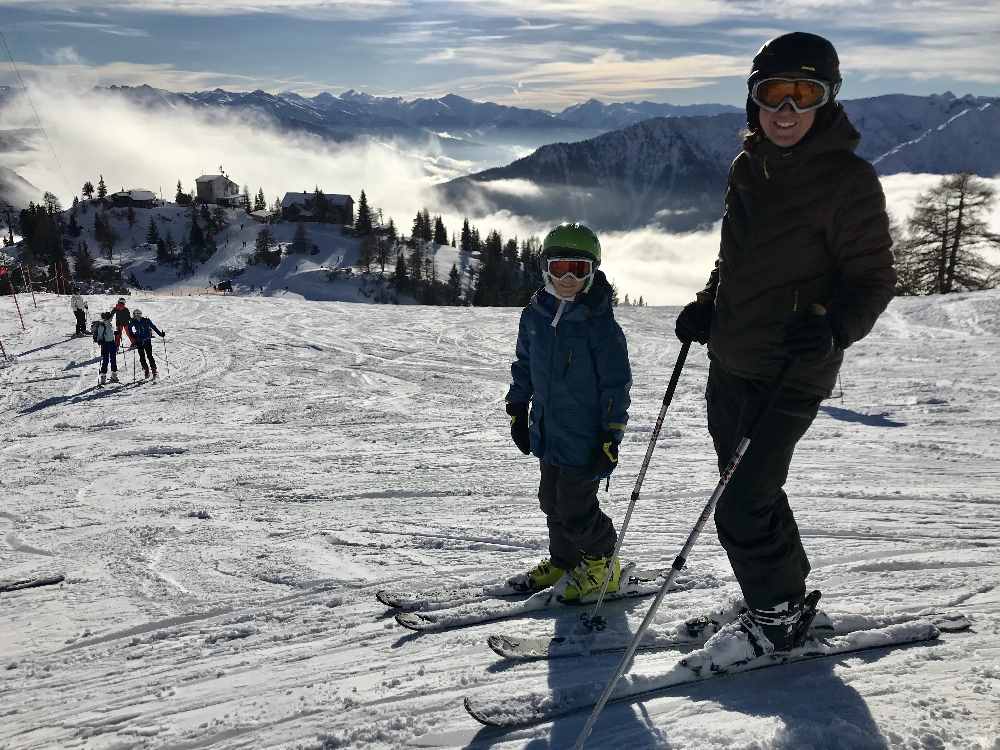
column 799, row 53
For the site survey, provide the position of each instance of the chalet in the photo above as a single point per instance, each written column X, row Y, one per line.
column 264, row 215
column 335, row 209
column 219, row 189
column 134, row 198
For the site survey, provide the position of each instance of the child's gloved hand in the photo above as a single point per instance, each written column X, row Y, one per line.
column 519, row 427
column 607, row 456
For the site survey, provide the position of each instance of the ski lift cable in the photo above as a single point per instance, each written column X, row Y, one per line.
column 38, row 120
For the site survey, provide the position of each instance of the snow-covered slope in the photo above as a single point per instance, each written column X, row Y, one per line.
column 965, row 142
column 223, row 532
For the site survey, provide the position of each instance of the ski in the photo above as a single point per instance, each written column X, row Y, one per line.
column 691, row 633
column 634, row 584
column 18, row 584
column 433, row 599
column 646, row 681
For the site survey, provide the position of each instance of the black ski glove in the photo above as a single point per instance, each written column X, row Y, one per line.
column 519, row 427
column 607, row 456
column 810, row 337
column 694, row 322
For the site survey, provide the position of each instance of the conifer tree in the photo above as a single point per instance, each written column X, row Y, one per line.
column 400, row 280
column 440, row 233
column 260, row 202
column 466, row 240
column 454, row 286
column 300, row 242
column 363, row 223
column 88, row 190
column 102, row 189
column 427, row 229
column 152, row 233
column 948, row 238
column 263, row 252
column 366, row 254
column 84, row 261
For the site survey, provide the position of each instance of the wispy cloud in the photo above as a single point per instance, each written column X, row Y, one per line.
column 330, row 9
column 608, row 74
column 67, row 69
column 101, row 28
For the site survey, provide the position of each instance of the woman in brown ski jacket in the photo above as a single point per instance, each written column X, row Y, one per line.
column 804, row 270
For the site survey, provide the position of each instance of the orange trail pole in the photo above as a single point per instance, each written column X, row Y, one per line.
column 26, row 274
column 11, row 283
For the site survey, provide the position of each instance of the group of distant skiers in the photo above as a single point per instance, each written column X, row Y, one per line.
column 804, row 270
column 137, row 328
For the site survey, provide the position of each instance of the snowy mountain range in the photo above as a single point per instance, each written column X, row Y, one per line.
column 354, row 112
column 672, row 171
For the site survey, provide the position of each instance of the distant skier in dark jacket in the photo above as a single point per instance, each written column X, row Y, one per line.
column 103, row 331
column 141, row 331
column 122, row 319
column 804, row 270
column 572, row 366
column 79, row 307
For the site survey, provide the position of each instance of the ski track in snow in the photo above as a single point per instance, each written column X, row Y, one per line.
column 223, row 532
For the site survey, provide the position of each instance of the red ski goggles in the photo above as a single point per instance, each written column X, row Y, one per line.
column 578, row 268
column 804, row 94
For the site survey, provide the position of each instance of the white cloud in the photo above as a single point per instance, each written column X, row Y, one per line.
column 103, row 28
column 513, row 187
column 69, row 70
column 330, row 9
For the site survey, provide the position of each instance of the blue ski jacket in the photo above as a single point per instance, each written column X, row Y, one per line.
column 572, row 365
column 141, row 328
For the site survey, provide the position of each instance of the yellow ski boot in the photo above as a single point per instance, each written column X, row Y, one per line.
column 540, row 577
column 587, row 578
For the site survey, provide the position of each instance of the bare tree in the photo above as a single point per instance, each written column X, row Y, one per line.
column 947, row 237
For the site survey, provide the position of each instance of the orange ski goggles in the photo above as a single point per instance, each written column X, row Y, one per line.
column 578, row 268
column 804, row 94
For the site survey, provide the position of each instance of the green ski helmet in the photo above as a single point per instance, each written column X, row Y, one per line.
column 572, row 241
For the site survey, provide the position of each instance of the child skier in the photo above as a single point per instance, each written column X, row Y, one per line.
column 104, row 334
column 122, row 319
column 572, row 367
column 79, row 308
column 141, row 330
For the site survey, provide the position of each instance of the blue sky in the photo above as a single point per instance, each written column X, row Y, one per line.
column 544, row 53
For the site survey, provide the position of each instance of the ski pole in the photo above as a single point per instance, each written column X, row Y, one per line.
column 165, row 358
column 681, row 560
column 594, row 621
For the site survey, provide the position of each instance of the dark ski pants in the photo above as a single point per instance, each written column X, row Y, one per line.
column 146, row 351
column 81, row 321
column 108, row 354
column 577, row 525
column 754, row 521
